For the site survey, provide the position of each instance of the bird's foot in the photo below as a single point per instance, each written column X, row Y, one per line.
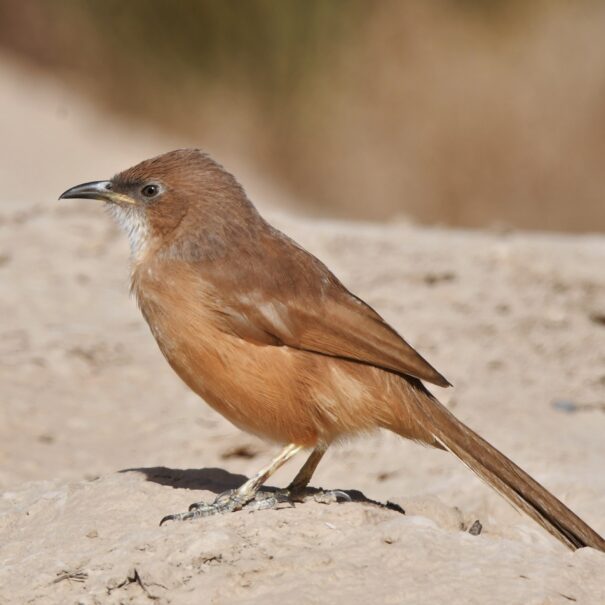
column 233, row 500
column 264, row 500
column 227, row 502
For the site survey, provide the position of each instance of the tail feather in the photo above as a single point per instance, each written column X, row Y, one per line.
column 509, row 480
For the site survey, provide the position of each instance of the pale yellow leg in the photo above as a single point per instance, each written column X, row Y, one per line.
column 247, row 490
column 237, row 499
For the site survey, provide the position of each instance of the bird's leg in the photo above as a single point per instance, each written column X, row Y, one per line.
column 303, row 477
column 233, row 500
column 297, row 490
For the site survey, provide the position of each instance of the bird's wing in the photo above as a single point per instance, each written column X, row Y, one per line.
column 294, row 300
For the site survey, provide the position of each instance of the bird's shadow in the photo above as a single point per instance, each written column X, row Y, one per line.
column 218, row 480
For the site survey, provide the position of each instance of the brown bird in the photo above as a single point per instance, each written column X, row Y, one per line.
column 269, row 337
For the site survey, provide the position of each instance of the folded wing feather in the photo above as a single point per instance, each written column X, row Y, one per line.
column 305, row 307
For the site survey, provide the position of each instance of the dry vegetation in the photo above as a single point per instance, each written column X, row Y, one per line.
column 464, row 121
column 466, row 113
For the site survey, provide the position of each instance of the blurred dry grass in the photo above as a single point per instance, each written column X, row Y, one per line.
column 461, row 112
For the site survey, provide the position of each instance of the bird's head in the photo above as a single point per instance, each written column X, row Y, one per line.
column 180, row 194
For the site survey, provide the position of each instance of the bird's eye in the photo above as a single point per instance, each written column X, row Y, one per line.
column 150, row 190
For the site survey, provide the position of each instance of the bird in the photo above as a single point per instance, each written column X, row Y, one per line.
column 266, row 335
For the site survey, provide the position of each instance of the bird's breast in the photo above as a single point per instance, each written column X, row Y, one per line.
column 257, row 387
column 277, row 392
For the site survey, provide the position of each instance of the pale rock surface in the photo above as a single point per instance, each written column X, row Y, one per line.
column 515, row 321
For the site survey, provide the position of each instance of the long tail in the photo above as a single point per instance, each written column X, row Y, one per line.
column 509, row 480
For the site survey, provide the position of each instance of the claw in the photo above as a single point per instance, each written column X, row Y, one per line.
column 175, row 517
column 338, row 493
column 328, row 497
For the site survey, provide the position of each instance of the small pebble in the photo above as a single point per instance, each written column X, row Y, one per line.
column 564, row 405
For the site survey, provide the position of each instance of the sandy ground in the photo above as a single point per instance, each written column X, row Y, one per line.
column 99, row 440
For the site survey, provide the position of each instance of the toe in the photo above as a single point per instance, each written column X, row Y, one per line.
column 341, row 496
column 175, row 517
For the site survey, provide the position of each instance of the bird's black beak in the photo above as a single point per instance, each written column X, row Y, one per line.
column 96, row 190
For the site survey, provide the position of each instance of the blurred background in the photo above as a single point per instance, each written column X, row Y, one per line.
column 459, row 112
